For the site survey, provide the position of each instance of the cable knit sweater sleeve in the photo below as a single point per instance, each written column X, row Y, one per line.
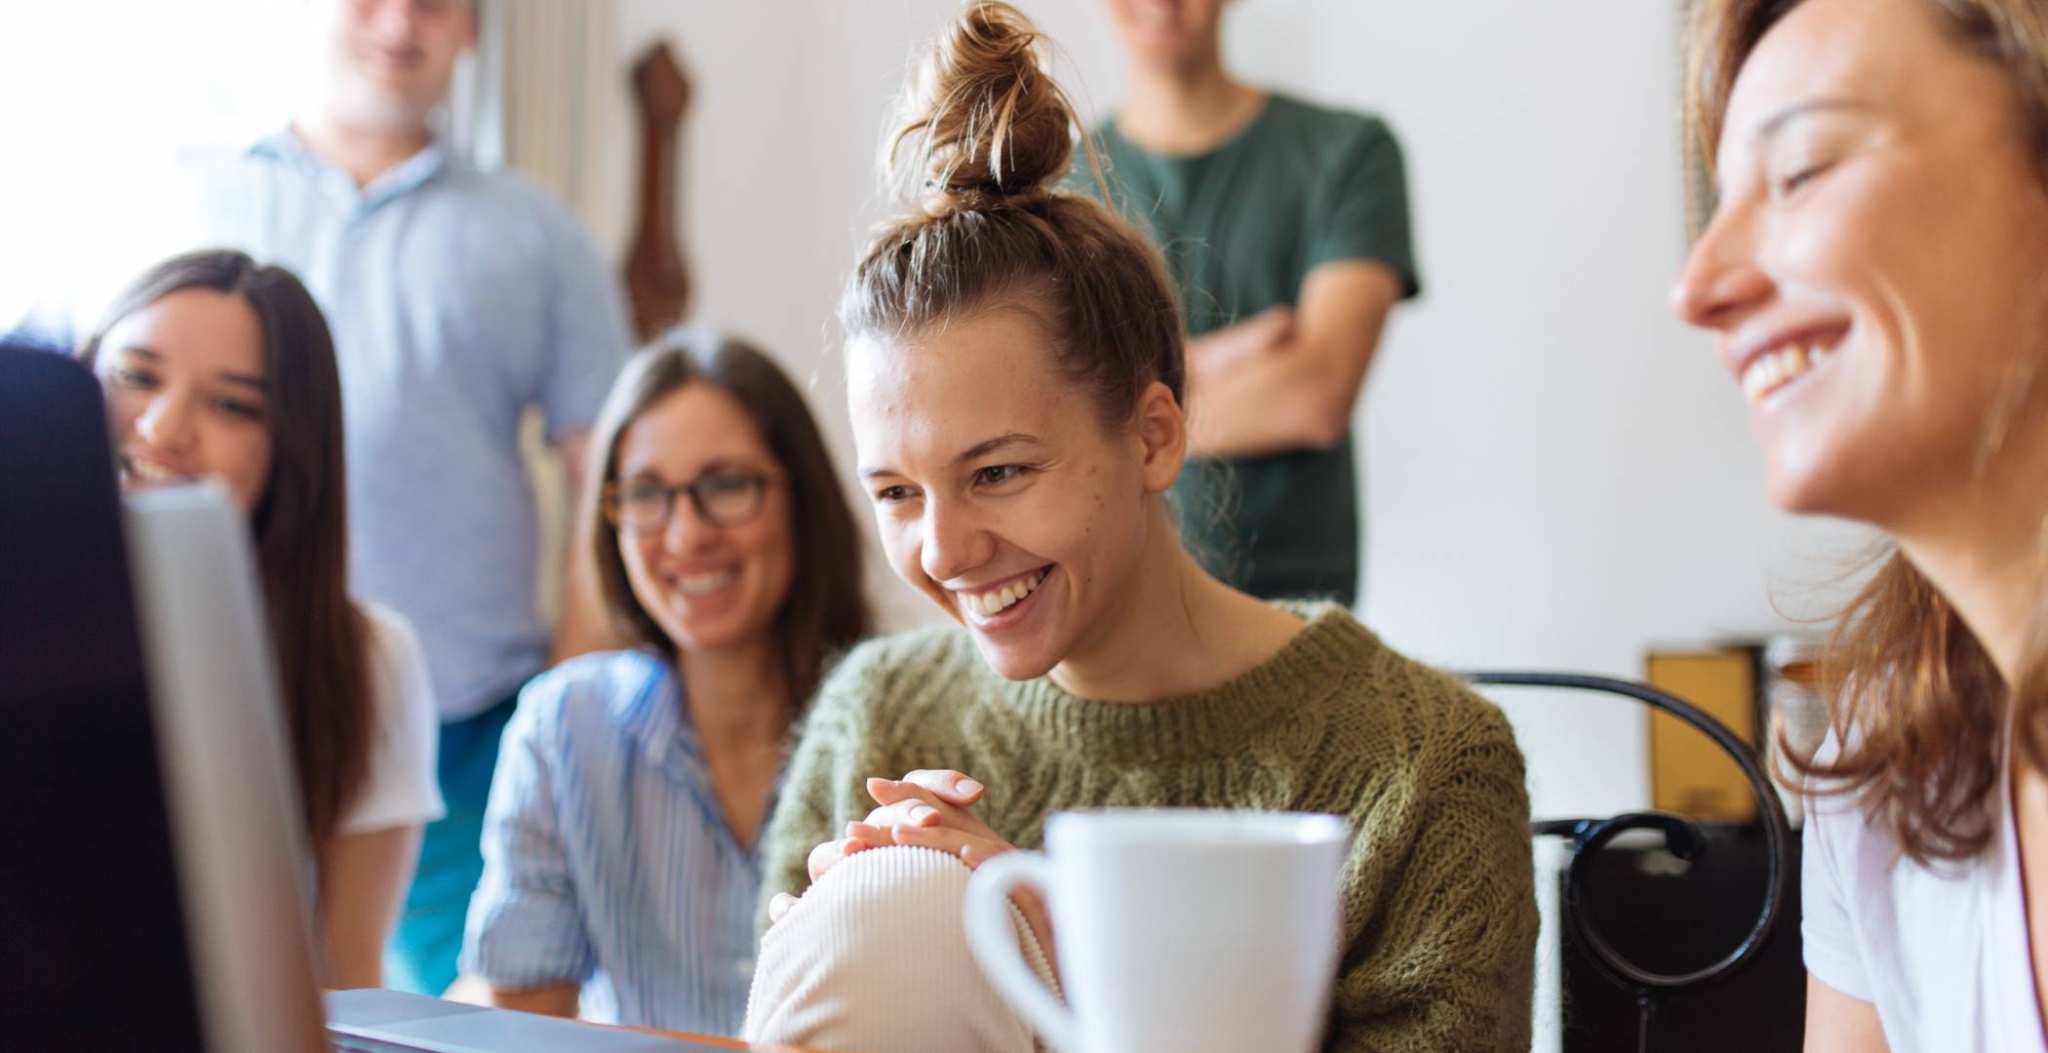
column 835, row 755
column 1442, row 882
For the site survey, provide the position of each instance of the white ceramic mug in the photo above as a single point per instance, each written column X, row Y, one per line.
column 1182, row 930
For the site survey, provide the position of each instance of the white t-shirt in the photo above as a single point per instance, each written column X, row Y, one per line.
column 399, row 788
column 1940, row 950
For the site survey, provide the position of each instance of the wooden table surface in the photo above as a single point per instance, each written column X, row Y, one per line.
column 722, row 1043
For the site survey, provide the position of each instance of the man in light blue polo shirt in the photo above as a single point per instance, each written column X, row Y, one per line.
column 459, row 298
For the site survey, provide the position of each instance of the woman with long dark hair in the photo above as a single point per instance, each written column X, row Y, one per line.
column 1874, row 273
column 621, row 847
column 218, row 367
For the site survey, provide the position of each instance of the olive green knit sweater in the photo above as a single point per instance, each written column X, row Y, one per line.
column 1440, row 911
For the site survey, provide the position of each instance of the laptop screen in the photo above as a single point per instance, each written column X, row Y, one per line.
column 96, row 948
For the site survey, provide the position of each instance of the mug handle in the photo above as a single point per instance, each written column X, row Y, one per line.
column 993, row 939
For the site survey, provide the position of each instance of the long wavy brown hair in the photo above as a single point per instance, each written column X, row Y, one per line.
column 826, row 611
column 300, row 523
column 1916, row 702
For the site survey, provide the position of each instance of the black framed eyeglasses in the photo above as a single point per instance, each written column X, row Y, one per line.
column 722, row 497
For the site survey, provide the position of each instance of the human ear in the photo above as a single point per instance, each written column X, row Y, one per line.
column 1161, row 429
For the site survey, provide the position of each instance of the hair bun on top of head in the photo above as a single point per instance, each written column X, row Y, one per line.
column 988, row 124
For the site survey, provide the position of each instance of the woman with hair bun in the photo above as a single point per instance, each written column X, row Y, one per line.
column 1015, row 372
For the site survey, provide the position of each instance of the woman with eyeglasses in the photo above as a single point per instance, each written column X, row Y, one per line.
column 620, row 845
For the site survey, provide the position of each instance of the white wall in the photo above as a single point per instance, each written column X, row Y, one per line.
column 1558, row 474
column 778, row 181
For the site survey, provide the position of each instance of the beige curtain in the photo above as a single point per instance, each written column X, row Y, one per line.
column 541, row 68
column 535, row 86
column 565, row 48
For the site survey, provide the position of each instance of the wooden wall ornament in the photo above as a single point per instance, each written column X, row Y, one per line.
column 657, row 282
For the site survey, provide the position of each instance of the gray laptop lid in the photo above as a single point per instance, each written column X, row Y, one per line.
column 242, row 856
column 88, row 884
column 391, row 1022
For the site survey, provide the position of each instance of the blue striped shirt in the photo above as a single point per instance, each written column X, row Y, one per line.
column 607, row 860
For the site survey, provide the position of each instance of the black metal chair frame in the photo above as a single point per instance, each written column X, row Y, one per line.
column 1682, row 838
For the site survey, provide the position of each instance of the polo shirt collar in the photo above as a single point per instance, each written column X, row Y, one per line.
column 410, row 174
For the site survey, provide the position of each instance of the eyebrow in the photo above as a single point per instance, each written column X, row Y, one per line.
column 247, row 380
column 988, row 446
column 979, row 449
column 1810, row 108
column 722, row 465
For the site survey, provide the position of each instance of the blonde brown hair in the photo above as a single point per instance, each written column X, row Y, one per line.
column 826, row 611
column 987, row 138
column 1916, row 702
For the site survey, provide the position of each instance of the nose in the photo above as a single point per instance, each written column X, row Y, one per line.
column 1722, row 281
column 953, row 542
column 390, row 19
column 687, row 529
column 166, row 423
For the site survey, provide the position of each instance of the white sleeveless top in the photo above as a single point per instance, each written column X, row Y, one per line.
column 400, row 786
column 1940, row 950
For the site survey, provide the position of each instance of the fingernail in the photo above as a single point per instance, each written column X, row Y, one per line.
column 922, row 812
column 967, row 786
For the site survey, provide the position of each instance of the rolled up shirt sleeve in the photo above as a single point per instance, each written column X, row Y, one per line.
column 1362, row 208
column 526, row 927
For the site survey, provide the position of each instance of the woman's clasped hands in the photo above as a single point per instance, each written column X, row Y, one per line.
column 924, row 809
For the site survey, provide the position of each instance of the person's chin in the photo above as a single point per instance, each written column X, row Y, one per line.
column 370, row 106
column 1809, row 483
column 706, row 634
column 1165, row 59
column 1013, row 661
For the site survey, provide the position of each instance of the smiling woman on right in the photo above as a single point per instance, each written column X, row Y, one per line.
column 1874, row 272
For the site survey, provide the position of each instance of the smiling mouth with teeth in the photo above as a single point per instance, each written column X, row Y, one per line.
column 697, row 584
column 149, row 472
column 996, row 601
column 1773, row 370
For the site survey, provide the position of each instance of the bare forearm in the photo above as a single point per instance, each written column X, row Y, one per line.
column 551, row 999
column 1298, row 394
column 364, row 877
column 1839, row 1023
column 581, row 625
column 1273, row 404
column 1218, row 352
column 353, row 962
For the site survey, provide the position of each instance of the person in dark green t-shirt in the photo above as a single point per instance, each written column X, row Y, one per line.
column 1286, row 226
